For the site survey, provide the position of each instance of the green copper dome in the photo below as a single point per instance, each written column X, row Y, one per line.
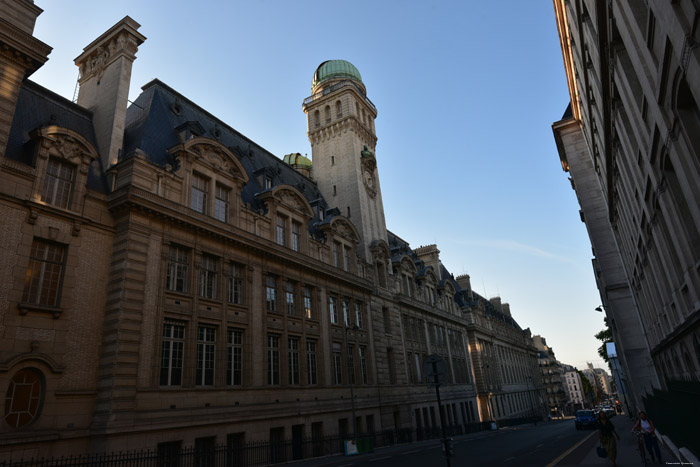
column 332, row 69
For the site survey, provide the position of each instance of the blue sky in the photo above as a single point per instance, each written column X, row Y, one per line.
column 466, row 93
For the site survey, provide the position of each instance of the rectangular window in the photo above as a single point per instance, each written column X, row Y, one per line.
column 390, row 363
column 208, row 272
column 221, row 203
column 172, row 353
column 311, row 377
column 290, row 298
column 351, row 363
column 346, row 313
column 336, row 254
column 293, row 359
column 270, row 291
column 57, row 184
column 387, row 320
column 198, row 196
column 308, row 302
column 206, row 349
column 42, row 283
column 363, row 364
column 333, row 310
column 178, row 265
column 337, row 365
column 281, row 231
column 234, row 350
column 296, row 236
column 273, row 360
column 358, row 315
column 346, row 259
column 235, row 284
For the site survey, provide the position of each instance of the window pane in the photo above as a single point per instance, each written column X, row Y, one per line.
column 172, row 354
column 42, row 280
column 57, row 184
column 198, row 196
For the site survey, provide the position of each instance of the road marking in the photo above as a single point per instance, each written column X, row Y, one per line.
column 410, row 452
column 568, row 451
column 379, row 459
column 540, row 445
column 509, row 459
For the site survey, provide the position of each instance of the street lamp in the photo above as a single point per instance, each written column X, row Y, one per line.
column 351, row 377
column 599, row 309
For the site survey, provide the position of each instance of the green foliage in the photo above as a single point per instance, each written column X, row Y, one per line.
column 587, row 388
column 604, row 336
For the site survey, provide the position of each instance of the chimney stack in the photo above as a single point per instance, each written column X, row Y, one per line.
column 105, row 75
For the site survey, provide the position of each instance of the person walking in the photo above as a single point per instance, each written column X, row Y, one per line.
column 650, row 441
column 607, row 435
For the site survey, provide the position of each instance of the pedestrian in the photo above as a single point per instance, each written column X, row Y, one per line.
column 650, row 441
column 607, row 435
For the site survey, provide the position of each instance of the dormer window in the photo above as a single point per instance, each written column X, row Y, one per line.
column 268, row 182
column 221, row 202
column 58, row 183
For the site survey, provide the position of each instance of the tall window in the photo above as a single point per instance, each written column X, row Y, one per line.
column 317, row 119
column 346, row 258
column 338, row 109
column 346, row 313
column 290, row 298
column 172, row 353
column 198, row 196
column 296, row 229
column 178, row 263
column 308, row 302
column 270, row 290
column 235, row 284
column 234, row 350
column 281, row 231
column 336, row 254
column 293, row 359
column 221, row 203
column 337, row 365
column 358, row 315
column 207, row 277
column 363, row 364
column 273, row 360
column 57, row 184
column 351, row 363
column 206, row 349
column 42, row 282
column 311, row 362
column 333, row 310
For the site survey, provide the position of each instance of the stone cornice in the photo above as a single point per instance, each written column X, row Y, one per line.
column 121, row 40
column 21, row 48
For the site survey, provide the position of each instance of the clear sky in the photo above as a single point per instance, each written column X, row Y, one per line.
column 466, row 91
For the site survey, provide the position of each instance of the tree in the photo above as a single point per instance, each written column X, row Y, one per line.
column 587, row 388
column 604, row 336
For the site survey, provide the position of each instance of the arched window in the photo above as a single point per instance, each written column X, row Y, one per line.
column 338, row 109
column 328, row 114
column 317, row 119
column 25, row 397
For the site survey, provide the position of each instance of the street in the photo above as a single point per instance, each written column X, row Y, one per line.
column 524, row 445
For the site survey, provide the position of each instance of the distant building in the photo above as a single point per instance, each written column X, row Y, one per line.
column 552, row 377
column 573, row 388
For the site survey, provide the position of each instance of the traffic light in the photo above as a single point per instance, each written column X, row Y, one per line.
column 448, row 447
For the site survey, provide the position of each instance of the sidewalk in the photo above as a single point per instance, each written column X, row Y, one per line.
column 627, row 453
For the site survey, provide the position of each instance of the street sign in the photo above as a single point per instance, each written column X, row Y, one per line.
column 434, row 369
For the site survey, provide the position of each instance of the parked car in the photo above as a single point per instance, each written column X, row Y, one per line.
column 585, row 419
column 609, row 411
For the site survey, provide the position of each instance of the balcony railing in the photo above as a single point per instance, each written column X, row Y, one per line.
column 337, row 86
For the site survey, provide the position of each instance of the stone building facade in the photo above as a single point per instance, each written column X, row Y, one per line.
column 573, row 389
column 167, row 282
column 552, row 376
column 629, row 141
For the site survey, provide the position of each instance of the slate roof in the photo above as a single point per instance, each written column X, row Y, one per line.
column 38, row 107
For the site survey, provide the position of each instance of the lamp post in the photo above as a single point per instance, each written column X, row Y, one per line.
column 351, row 377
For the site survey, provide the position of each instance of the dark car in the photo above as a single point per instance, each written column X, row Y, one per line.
column 585, row 419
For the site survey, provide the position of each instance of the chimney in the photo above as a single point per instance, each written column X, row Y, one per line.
column 464, row 281
column 105, row 74
column 22, row 54
column 496, row 302
column 506, row 309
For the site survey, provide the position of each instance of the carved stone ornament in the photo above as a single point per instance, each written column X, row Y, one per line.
column 289, row 198
column 96, row 64
column 369, row 164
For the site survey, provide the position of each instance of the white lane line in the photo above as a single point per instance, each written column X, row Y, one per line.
column 410, row 452
column 509, row 459
column 540, row 445
column 379, row 459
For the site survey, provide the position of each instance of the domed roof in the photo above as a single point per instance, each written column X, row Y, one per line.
column 332, row 69
column 297, row 159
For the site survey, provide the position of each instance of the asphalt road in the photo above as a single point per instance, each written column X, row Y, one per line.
column 525, row 445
